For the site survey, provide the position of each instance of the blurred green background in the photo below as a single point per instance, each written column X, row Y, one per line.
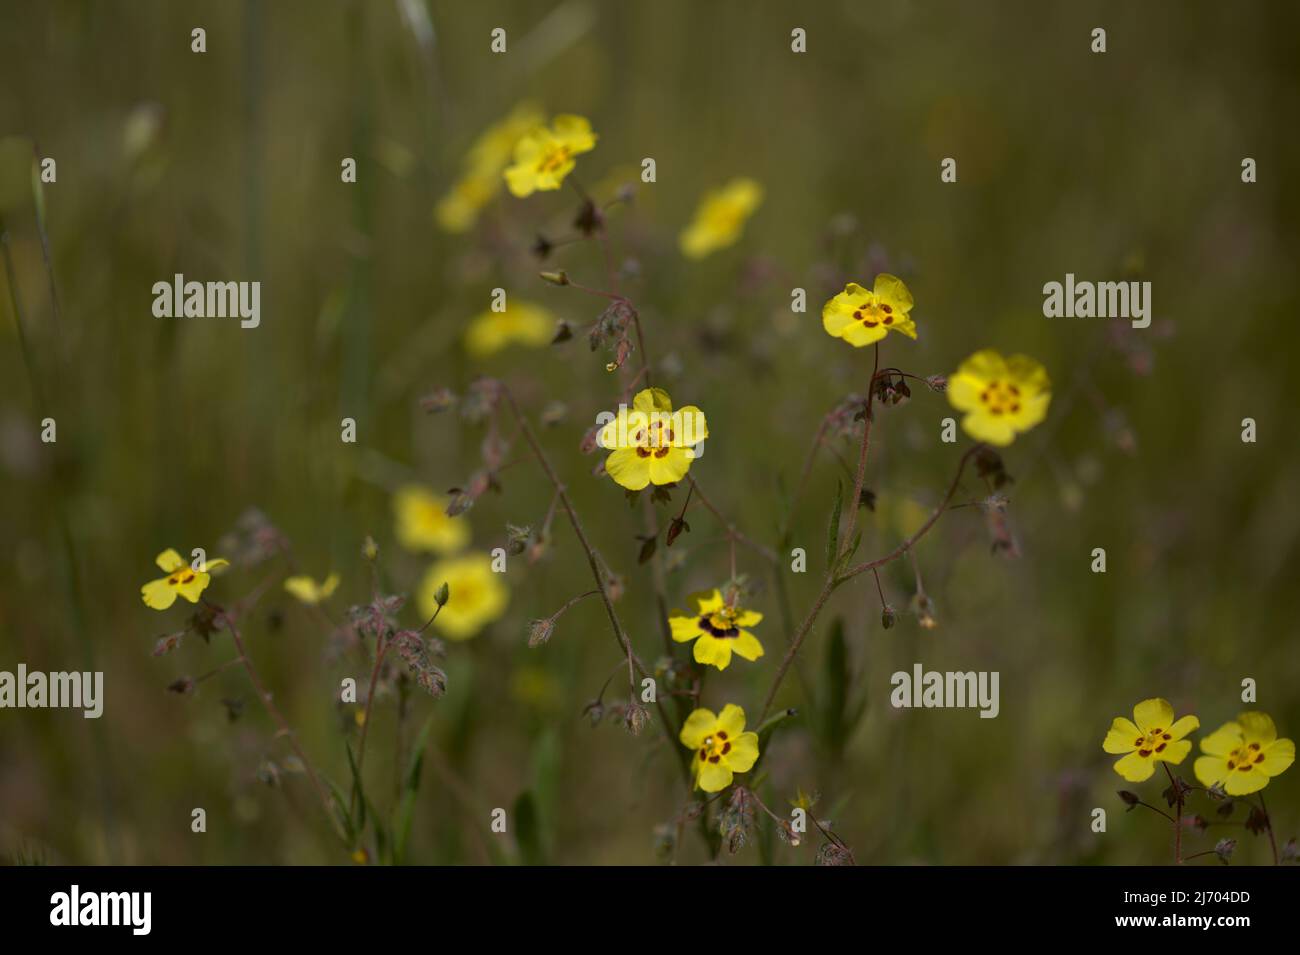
column 226, row 165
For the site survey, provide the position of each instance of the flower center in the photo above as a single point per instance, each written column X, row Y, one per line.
column 721, row 623
column 715, row 747
column 1153, row 742
column 872, row 314
column 1001, row 397
column 655, row 439
column 554, row 158
column 180, row 577
column 1245, row 757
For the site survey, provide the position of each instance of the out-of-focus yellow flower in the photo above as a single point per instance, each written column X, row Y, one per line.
column 717, row 629
column 1243, row 756
column 544, row 156
column 422, row 523
column 1002, row 397
column 1152, row 736
column 536, row 686
column 651, row 443
column 459, row 209
column 308, row 591
column 521, row 323
column 720, row 218
column 861, row 317
column 181, row 579
column 722, row 747
column 477, row 595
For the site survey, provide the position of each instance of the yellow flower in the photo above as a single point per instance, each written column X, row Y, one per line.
column 544, row 156
column 458, row 210
column 1244, row 755
column 861, row 317
column 721, row 745
column 477, row 595
column 1152, row 736
column 651, row 443
column 423, row 524
column 720, row 218
column 488, row 156
column 716, row 629
column 181, row 579
column 310, row 592
column 1001, row 396
column 522, row 322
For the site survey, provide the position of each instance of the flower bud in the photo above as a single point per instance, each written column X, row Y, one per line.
column 555, row 278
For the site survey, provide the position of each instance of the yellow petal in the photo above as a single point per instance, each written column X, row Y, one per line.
column 683, row 628
column 746, row 645
column 743, row 754
column 1210, row 769
column 1175, row 752
column 707, row 601
column 710, row 651
column 1135, row 768
column 1123, row 737
column 732, row 720
column 650, row 400
column 1277, row 758
column 1183, row 725
column 670, row 468
column 192, row 586
column 891, row 290
column 168, row 561
column 1223, row 740
column 1257, row 727
column 1153, row 714
column 698, row 726
column 713, row 777
column 158, row 594
column 628, row 469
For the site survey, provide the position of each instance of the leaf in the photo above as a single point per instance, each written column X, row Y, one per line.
column 341, row 805
column 357, row 803
column 528, row 830
column 835, row 700
column 833, row 528
column 410, row 787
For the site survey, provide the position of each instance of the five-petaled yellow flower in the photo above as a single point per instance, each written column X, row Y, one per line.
column 1243, row 756
column 1153, row 735
column 422, row 523
column 652, row 443
column 181, row 579
column 544, row 156
column 477, row 595
column 1001, row 396
column 521, row 323
column 717, row 629
column 722, row 747
column 458, row 210
column 308, row 590
column 721, row 218
column 861, row 317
